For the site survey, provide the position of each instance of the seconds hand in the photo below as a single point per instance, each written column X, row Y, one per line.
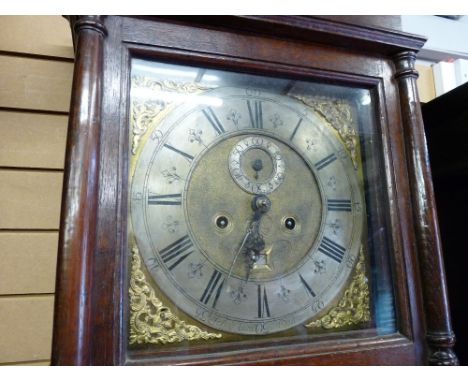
column 257, row 165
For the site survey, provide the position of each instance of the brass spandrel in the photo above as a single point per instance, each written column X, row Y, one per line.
column 146, row 110
column 338, row 114
column 150, row 321
column 354, row 306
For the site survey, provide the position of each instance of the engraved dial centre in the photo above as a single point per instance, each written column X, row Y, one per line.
column 219, row 213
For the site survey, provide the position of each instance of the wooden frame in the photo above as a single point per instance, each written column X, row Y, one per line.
column 90, row 325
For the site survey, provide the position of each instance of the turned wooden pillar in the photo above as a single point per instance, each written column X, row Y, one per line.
column 439, row 335
column 79, row 199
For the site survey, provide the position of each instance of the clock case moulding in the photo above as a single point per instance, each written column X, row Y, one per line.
column 92, row 288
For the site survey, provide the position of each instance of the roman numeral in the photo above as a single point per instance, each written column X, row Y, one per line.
column 295, row 130
column 165, row 200
column 255, row 112
column 307, row 286
column 332, row 249
column 325, row 161
column 262, row 300
column 214, row 121
column 211, row 287
column 339, row 205
column 184, row 154
column 176, row 252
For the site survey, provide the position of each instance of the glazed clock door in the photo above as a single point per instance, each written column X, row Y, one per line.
column 247, row 210
column 245, row 206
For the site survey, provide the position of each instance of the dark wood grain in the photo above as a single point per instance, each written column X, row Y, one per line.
column 406, row 265
column 332, row 350
column 373, row 21
column 108, row 292
column 345, row 33
column 440, row 337
column 79, row 206
column 199, row 44
column 92, row 302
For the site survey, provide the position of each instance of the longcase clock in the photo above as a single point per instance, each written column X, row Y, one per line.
column 247, row 190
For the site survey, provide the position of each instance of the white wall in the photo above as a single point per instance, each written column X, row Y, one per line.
column 447, row 39
column 446, row 49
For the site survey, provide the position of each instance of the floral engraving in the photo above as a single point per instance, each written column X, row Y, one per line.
column 196, row 136
column 195, row 270
column 137, row 196
column 283, row 293
column 358, row 206
column 335, row 226
column 171, row 175
column 276, row 121
column 311, row 144
column 234, row 116
column 238, row 294
column 319, row 267
column 171, row 225
column 332, row 183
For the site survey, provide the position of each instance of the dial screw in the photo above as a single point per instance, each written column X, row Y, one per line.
column 290, row 223
column 222, row 222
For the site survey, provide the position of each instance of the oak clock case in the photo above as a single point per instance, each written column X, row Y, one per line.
column 247, row 190
column 248, row 213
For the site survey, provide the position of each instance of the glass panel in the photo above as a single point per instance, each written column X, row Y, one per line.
column 257, row 209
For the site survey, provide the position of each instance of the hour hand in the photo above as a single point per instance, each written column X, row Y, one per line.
column 254, row 248
column 251, row 258
column 255, row 244
column 251, row 246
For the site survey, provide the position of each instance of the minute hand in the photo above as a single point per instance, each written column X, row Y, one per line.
column 249, row 231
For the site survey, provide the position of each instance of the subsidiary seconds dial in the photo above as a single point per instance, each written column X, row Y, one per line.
column 256, row 164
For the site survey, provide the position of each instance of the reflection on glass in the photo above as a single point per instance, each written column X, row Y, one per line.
column 297, row 119
column 165, row 96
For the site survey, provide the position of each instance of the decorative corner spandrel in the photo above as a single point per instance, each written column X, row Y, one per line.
column 354, row 306
column 338, row 114
column 148, row 102
column 150, row 321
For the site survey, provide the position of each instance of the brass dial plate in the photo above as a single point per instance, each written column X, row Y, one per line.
column 182, row 187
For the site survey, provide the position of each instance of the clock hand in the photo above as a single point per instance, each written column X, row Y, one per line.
column 255, row 245
column 260, row 205
column 257, row 166
column 249, row 231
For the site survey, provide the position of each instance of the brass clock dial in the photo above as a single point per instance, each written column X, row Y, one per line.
column 247, row 212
